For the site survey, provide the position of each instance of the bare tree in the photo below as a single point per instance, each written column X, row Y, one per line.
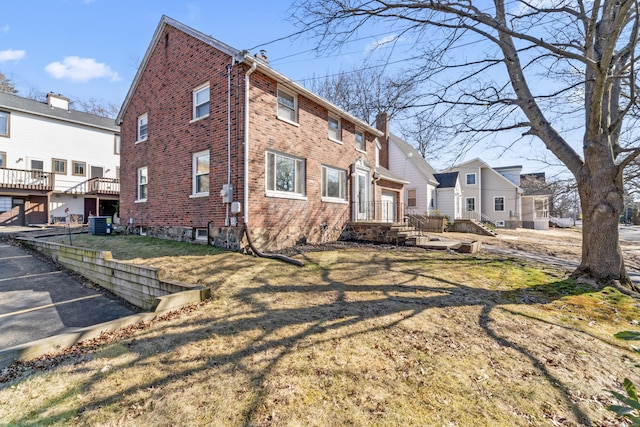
column 7, row 85
column 97, row 107
column 557, row 70
column 367, row 91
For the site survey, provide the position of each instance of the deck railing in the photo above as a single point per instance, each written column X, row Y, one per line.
column 21, row 179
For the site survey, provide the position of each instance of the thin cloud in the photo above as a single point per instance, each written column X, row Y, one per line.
column 79, row 69
column 5, row 29
column 376, row 44
column 12, row 55
column 193, row 11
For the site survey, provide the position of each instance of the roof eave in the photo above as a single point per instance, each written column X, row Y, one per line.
column 266, row 69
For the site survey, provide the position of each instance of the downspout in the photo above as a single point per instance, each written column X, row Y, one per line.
column 226, row 218
column 246, row 142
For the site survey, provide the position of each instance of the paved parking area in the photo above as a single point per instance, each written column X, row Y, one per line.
column 38, row 301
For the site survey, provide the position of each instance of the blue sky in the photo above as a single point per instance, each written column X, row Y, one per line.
column 91, row 49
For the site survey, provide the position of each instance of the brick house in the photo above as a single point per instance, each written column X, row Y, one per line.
column 213, row 138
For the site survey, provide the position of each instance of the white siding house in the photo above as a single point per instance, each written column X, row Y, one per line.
column 55, row 162
column 489, row 195
column 406, row 162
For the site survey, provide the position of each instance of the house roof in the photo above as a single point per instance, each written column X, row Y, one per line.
column 238, row 57
column 483, row 164
column 415, row 158
column 11, row 102
column 385, row 173
column 446, row 180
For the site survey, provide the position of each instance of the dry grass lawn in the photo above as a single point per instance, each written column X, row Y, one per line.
column 363, row 336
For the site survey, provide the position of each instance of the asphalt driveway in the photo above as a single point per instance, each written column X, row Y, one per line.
column 38, row 301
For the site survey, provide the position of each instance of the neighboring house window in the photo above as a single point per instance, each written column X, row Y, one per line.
column 97, row 172
column 498, row 204
column 59, row 166
column 37, row 165
column 5, row 204
column 285, row 174
column 4, row 123
column 143, row 127
column 412, row 199
column 471, row 179
column 287, row 106
column 117, row 172
column 334, row 183
column 79, row 168
column 201, row 102
column 360, row 143
column 3, row 160
column 335, row 133
column 143, row 181
column 471, row 204
column 201, row 173
column 116, row 144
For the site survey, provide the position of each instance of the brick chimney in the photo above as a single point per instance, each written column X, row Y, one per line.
column 382, row 124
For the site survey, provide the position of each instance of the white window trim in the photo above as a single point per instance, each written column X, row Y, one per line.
column 3, row 156
column 504, row 203
column 195, row 92
column 339, row 130
column 140, row 118
column 343, row 189
column 475, row 178
column 415, row 198
column 138, row 199
column 295, row 106
column 364, row 141
column 466, row 204
column 199, row 236
column 285, row 194
column 8, row 133
column 194, row 173
column 116, row 144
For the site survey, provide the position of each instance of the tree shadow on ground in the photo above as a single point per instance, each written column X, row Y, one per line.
column 344, row 308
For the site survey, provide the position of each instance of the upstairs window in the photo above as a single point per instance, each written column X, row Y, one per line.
column 59, row 166
column 498, row 204
column 201, row 173
column 116, row 144
column 3, row 160
column 335, row 133
column 360, row 143
column 471, row 179
column 4, row 123
column 334, row 183
column 285, row 174
column 143, row 127
column 287, row 106
column 79, row 168
column 143, row 181
column 201, row 102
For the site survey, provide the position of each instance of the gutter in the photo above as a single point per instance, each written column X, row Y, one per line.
column 246, row 142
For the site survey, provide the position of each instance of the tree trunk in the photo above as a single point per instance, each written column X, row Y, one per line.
column 601, row 199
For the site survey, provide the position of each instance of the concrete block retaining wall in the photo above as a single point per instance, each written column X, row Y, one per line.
column 141, row 286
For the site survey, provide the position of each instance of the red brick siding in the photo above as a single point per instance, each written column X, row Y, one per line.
column 180, row 63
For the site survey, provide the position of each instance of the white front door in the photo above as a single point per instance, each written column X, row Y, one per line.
column 361, row 195
column 388, row 202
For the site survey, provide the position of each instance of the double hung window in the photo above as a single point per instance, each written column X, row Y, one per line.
column 285, row 174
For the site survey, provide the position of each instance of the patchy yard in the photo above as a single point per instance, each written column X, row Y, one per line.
column 370, row 335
